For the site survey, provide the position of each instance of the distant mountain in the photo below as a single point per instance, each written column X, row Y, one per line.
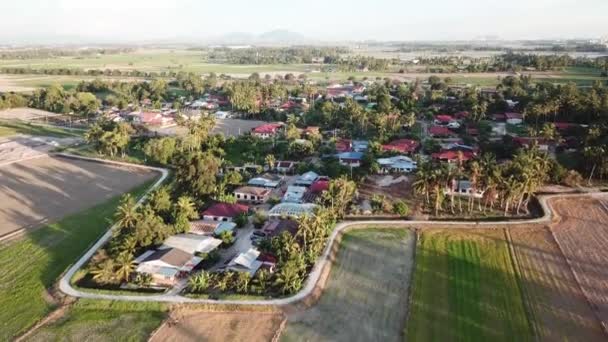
column 281, row 36
column 276, row 37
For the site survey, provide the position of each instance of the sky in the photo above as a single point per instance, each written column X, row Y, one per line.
column 26, row 21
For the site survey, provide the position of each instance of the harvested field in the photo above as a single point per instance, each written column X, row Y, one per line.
column 46, row 189
column 582, row 235
column 220, row 327
column 366, row 297
column 25, row 114
column 23, row 147
column 466, row 288
column 558, row 307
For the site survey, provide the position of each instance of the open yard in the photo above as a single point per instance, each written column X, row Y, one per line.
column 45, row 189
column 31, row 265
column 99, row 320
column 465, row 288
column 366, row 297
column 582, row 235
column 220, row 326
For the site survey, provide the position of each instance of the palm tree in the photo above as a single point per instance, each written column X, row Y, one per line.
column 124, row 266
column 103, row 273
column 242, row 282
column 184, row 211
column 270, row 161
column 199, row 282
column 126, row 215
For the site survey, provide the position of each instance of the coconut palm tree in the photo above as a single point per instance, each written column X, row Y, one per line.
column 124, row 266
column 103, row 272
column 270, row 161
column 126, row 215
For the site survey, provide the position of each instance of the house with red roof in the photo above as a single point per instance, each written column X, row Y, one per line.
column 407, row 146
column 268, row 130
column 151, row 118
column 443, row 119
column 343, row 145
column 514, row 118
column 453, row 156
column 461, row 115
column 564, row 126
column 528, row 142
column 440, row 131
column 224, row 211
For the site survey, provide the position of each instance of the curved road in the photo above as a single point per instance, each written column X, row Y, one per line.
column 313, row 278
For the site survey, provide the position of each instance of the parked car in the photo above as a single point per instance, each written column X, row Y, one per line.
column 258, row 233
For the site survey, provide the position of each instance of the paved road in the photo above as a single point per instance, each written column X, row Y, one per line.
column 172, row 297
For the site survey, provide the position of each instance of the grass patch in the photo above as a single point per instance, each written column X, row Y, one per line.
column 16, row 127
column 466, row 289
column 32, row 265
column 104, row 320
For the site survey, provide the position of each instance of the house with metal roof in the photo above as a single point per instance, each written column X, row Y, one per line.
column 291, row 209
column 306, row 179
column 166, row 266
column 246, row 262
column 191, row 243
column 397, row 164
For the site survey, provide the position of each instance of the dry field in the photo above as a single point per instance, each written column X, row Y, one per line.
column 557, row 305
column 25, row 114
column 18, row 148
column 220, row 327
column 582, row 235
column 366, row 296
column 45, row 189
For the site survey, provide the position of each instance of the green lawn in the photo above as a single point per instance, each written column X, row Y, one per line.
column 100, row 320
column 466, row 289
column 32, row 264
column 17, row 127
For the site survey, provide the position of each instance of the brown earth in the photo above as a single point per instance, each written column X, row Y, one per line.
column 582, row 235
column 189, row 325
column 557, row 305
column 45, row 189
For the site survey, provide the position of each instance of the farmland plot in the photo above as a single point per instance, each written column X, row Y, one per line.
column 582, row 234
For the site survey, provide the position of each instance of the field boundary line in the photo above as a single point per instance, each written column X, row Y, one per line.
column 322, row 262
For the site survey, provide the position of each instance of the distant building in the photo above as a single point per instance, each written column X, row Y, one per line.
column 267, row 131
column 266, row 181
column 166, row 266
column 252, row 194
column 306, row 179
column 350, row 159
column 407, row 146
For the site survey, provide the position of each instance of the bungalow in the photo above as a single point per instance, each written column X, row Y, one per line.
column 246, row 262
column 360, row 145
column 291, row 210
column 499, row 117
column 526, row 142
column 285, row 166
column 315, row 190
column 514, row 118
column 343, row 145
column 252, row 194
column 166, row 266
column 294, row 194
column 407, row 146
column 267, row 131
column 443, row 119
column 191, row 243
column 224, row 212
column 266, row 181
column 463, row 188
column 397, row 164
column 440, row 131
column 151, row 119
column 209, row 228
column 351, row 159
column 306, row 179
column 453, row 156
column 275, row 227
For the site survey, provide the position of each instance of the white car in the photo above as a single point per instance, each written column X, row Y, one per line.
column 454, row 125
